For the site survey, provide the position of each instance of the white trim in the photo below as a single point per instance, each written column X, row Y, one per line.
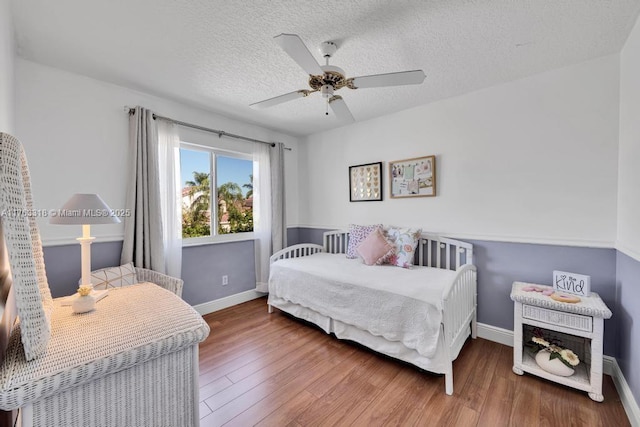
column 609, row 364
column 65, row 241
column 632, row 253
column 186, row 243
column 495, row 334
column 217, row 239
column 626, row 395
column 231, row 300
column 605, row 244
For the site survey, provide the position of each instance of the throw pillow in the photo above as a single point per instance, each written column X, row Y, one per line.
column 357, row 234
column 375, row 248
column 406, row 240
column 114, row 277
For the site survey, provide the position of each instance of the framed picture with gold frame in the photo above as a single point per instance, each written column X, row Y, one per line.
column 414, row 177
column 365, row 182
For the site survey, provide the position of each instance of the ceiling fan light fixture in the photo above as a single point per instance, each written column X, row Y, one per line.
column 327, row 91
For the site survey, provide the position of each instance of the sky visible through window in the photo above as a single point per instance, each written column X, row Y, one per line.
column 229, row 169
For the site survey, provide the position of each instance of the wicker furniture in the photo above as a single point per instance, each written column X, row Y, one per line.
column 131, row 361
column 142, row 275
column 579, row 326
column 458, row 300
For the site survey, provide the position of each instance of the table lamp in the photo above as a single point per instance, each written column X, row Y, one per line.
column 85, row 210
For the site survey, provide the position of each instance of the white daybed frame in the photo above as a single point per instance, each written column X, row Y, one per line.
column 459, row 300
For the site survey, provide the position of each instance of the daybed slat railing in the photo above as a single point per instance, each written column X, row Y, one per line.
column 335, row 242
column 448, row 252
column 296, row 251
column 447, row 249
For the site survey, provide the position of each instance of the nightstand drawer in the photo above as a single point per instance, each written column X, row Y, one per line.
column 568, row 320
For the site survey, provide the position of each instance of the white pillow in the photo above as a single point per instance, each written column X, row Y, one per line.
column 114, row 277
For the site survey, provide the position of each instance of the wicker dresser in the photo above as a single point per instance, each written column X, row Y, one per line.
column 133, row 361
column 578, row 326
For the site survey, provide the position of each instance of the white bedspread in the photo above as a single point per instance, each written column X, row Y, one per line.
column 395, row 303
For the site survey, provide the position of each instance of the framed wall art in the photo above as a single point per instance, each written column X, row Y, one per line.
column 365, row 182
column 413, row 177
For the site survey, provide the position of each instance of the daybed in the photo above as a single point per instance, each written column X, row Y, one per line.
column 422, row 315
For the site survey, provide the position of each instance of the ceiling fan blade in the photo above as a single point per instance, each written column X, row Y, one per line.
column 297, row 50
column 340, row 109
column 391, row 79
column 279, row 99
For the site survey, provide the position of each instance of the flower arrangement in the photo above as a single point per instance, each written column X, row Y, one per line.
column 566, row 356
column 84, row 290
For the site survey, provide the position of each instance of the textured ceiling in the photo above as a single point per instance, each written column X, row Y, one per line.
column 220, row 54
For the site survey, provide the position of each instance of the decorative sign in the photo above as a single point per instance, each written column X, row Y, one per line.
column 572, row 283
column 365, row 182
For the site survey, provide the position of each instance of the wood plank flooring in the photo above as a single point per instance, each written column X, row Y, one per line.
column 274, row 370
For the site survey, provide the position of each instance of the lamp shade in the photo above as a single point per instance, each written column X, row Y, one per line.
column 84, row 209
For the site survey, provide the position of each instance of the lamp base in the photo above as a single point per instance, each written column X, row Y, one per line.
column 97, row 295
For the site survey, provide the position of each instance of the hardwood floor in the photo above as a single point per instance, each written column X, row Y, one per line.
column 274, row 370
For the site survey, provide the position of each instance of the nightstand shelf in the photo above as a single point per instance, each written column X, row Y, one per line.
column 580, row 327
column 579, row 380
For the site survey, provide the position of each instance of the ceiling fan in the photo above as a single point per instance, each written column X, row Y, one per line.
column 327, row 79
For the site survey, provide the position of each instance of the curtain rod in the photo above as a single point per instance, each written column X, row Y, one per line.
column 220, row 133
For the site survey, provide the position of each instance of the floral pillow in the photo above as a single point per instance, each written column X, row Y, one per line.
column 357, row 234
column 406, row 240
column 375, row 248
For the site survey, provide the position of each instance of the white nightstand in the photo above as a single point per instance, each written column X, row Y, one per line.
column 580, row 326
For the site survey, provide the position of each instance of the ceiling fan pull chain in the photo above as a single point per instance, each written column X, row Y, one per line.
column 327, row 112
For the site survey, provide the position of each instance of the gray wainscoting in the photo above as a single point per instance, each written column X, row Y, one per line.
column 627, row 312
column 500, row 264
column 202, row 268
column 63, row 264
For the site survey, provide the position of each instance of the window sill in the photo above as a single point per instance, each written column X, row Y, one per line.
column 214, row 240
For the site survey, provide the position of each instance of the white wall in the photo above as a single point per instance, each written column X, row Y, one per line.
column 534, row 160
column 629, row 152
column 75, row 133
column 7, row 55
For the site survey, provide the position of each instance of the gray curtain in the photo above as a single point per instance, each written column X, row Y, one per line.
column 143, row 242
column 278, row 205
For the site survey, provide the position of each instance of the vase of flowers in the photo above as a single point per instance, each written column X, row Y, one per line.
column 84, row 302
column 553, row 358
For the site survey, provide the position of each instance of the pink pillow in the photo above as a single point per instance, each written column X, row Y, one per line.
column 357, row 234
column 375, row 248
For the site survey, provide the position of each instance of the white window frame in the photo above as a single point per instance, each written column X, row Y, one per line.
column 213, row 182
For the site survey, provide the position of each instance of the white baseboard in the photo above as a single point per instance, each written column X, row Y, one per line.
column 495, row 334
column 609, row 366
column 219, row 304
column 626, row 396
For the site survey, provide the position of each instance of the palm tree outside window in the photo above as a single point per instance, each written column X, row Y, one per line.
column 210, row 176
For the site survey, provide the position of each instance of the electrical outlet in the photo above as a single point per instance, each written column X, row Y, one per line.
column 225, row 280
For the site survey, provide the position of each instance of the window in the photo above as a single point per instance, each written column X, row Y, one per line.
column 217, row 192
